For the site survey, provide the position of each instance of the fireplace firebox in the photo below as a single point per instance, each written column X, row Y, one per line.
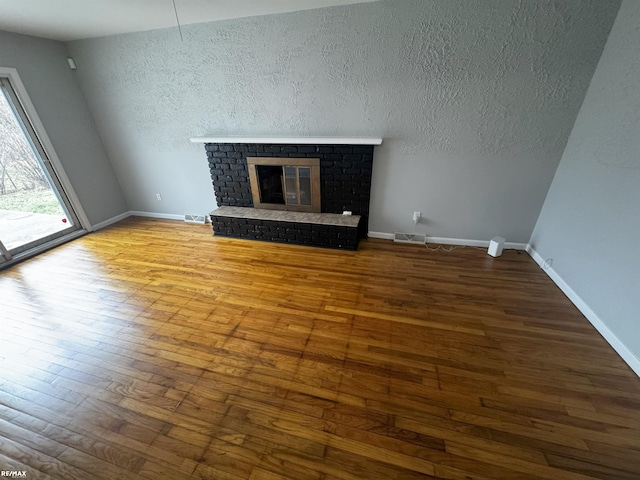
column 285, row 183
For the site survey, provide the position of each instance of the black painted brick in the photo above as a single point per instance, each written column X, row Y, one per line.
column 307, row 149
column 345, row 174
column 286, row 232
column 343, row 149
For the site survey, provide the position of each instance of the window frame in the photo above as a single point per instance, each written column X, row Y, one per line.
column 42, row 143
column 50, row 154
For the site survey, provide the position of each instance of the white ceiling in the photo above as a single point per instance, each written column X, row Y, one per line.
column 75, row 19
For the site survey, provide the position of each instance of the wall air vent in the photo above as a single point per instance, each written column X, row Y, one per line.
column 193, row 218
column 417, row 238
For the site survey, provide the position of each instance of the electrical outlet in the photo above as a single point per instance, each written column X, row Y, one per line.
column 416, row 217
column 158, row 197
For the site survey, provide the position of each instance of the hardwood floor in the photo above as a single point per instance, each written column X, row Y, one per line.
column 153, row 350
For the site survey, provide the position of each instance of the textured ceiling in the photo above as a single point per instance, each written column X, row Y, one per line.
column 76, row 19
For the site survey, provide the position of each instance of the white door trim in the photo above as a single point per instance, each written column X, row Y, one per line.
column 5, row 255
column 27, row 105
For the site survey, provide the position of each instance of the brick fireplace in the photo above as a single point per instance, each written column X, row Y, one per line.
column 345, row 185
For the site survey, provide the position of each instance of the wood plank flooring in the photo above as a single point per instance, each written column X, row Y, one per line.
column 153, row 350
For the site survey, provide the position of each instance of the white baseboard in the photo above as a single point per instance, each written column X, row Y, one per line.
column 382, row 235
column 136, row 213
column 110, row 221
column 515, row 246
column 166, row 216
column 465, row 242
column 454, row 241
column 627, row 355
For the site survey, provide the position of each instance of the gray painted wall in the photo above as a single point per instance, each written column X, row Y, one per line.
column 56, row 96
column 475, row 101
column 590, row 222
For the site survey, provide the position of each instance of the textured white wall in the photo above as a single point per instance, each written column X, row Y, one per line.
column 42, row 66
column 590, row 223
column 475, row 101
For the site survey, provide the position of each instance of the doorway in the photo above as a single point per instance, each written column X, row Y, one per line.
column 35, row 208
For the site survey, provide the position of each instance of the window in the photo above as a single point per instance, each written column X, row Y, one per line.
column 35, row 206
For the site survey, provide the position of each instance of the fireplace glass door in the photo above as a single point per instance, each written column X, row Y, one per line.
column 285, row 183
column 297, row 185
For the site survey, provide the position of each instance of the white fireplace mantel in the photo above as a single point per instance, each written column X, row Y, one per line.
column 291, row 140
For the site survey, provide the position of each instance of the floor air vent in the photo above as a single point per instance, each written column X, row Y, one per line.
column 189, row 218
column 417, row 238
